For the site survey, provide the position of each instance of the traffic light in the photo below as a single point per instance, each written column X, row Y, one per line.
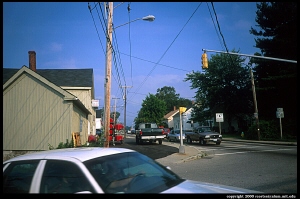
column 204, row 61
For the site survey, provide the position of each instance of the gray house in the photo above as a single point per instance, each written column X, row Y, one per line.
column 44, row 107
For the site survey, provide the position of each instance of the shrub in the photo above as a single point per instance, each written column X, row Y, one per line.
column 268, row 130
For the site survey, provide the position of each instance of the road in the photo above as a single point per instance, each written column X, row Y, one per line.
column 262, row 167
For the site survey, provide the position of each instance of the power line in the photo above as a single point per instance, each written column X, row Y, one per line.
column 168, row 48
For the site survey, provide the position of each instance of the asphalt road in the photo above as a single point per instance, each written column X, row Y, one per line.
column 148, row 149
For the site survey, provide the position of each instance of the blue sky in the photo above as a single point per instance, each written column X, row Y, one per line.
column 67, row 35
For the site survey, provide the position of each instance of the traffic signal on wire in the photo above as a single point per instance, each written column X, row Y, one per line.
column 204, row 61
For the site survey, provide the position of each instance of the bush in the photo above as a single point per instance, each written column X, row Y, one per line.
column 268, row 130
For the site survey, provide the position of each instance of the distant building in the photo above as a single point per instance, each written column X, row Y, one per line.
column 43, row 107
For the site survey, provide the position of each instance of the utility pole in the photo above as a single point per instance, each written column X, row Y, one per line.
column 107, row 81
column 125, row 108
column 252, row 80
column 255, row 103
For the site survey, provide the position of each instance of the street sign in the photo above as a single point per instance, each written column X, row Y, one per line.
column 279, row 113
column 219, row 117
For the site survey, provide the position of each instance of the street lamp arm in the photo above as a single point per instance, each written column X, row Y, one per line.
column 261, row 57
column 147, row 18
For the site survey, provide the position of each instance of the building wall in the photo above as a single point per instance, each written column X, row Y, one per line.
column 35, row 116
column 85, row 96
column 80, row 124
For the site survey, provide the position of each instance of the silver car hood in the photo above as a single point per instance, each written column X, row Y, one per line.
column 190, row 186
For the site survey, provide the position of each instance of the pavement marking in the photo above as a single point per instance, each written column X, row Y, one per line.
column 252, row 151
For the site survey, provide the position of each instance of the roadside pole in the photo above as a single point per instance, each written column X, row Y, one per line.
column 219, row 118
column 181, row 147
column 252, row 80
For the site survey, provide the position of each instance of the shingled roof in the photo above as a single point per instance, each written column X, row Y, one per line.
column 60, row 77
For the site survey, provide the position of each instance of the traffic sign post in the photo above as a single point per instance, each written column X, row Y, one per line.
column 219, row 118
column 280, row 114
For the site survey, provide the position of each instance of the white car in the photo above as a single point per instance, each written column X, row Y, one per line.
column 174, row 135
column 97, row 170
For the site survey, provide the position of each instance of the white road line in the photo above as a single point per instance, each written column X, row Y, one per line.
column 252, row 151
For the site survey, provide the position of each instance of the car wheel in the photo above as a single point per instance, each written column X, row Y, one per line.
column 160, row 141
column 189, row 140
column 140, row 141
column 218, row 143
column 202, row 142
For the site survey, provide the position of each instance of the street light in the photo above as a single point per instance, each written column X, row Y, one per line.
column 107, row 82
column 147, row 18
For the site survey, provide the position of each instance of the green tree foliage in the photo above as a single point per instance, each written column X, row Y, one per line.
column 183, row 102
column 153, row 110
column 225, row 88
column 276, row 85
column 169, row 96
column 172, row 99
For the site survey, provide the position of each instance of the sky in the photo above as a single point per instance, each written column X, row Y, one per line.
column 148, row 55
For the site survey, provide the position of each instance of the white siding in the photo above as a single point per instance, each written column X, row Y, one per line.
column 34, row 115
column 85, row 96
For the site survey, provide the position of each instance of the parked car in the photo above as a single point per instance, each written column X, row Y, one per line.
column 204, row 135
column 133, row 131
column 174, row 135
column 97, row 170
column 166, row 132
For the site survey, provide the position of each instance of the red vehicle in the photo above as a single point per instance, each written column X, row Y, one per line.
column 116, row 132
column 166, row 131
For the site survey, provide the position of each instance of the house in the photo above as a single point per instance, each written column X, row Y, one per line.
column 168, row 118
column 187, row 123
column 44, row 107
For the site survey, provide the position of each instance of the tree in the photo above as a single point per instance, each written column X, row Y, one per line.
column 169, row 96
column 153, row 110
column 225, row 87
column 276, row 85
column 172, row 99
column 183, row 102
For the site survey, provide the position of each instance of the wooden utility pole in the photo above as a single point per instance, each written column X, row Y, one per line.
column 107, row 81
column 255, row 104
column 125, row 108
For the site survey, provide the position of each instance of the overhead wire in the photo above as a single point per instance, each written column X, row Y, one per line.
column 96, row 25
column 212, row 4
column 129, row 19
column 167, row 49
column 222, row 46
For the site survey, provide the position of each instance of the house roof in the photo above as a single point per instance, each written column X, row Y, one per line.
column 187, row 110
column 59, row 77
column 15, row 74
column 170, row 114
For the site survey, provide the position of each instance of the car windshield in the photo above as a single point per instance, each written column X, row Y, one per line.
column 204, row 129
column 131, row 172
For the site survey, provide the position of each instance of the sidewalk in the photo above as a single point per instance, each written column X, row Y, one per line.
column 191, row 153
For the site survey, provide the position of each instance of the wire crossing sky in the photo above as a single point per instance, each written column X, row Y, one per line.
column 146, row 55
